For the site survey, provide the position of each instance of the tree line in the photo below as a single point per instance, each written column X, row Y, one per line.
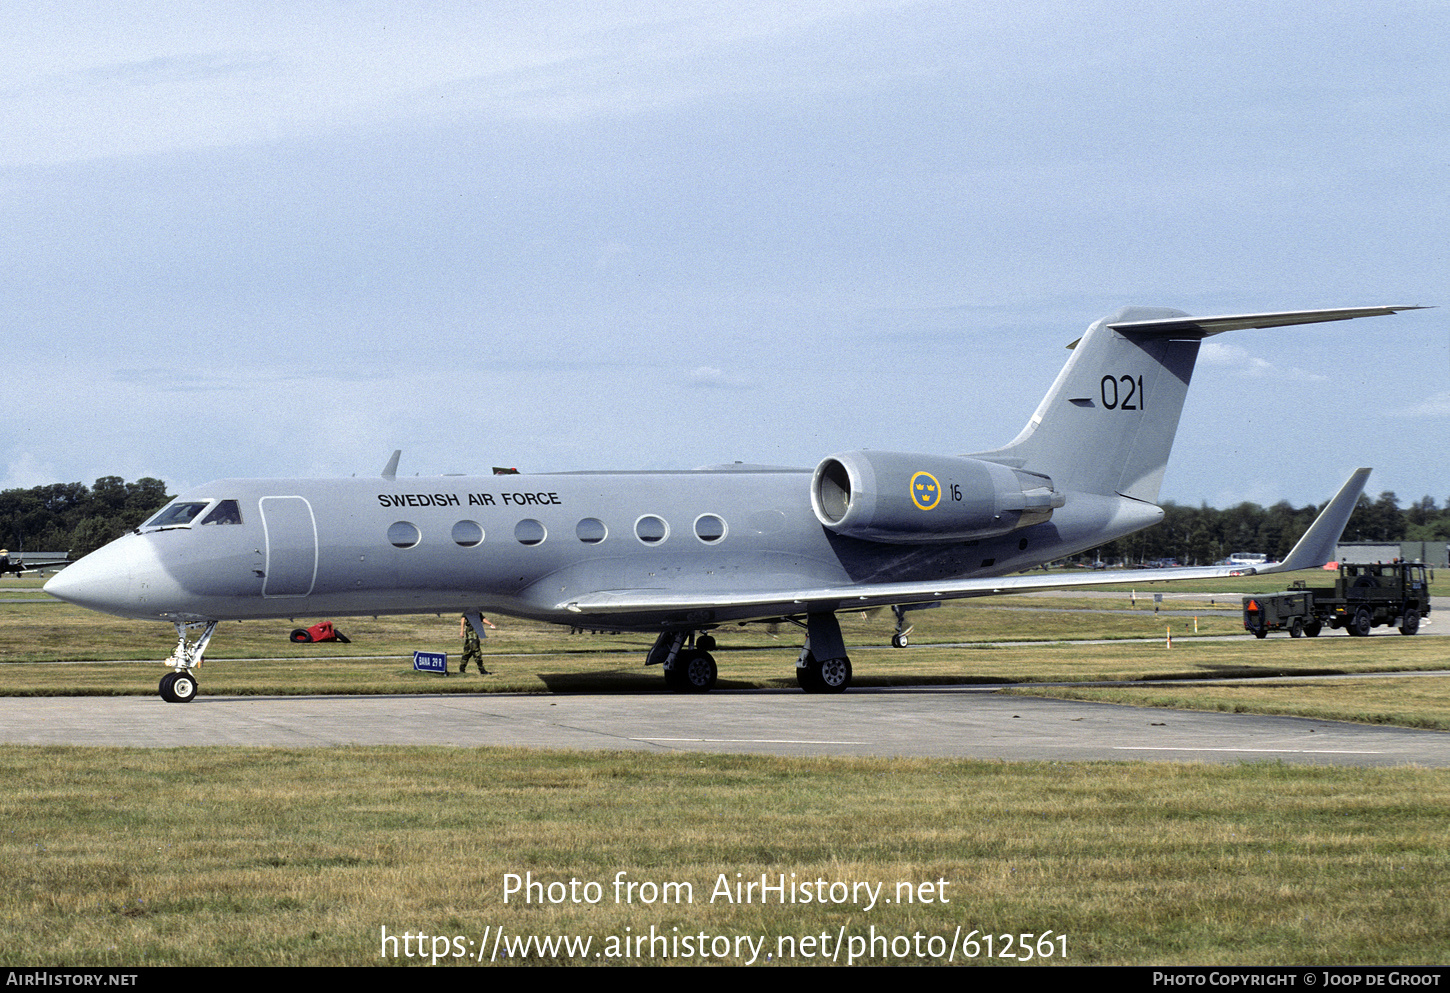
column 1203, row 535
column 76, row 517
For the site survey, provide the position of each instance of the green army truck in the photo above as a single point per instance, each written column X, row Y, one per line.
column 1363, row 597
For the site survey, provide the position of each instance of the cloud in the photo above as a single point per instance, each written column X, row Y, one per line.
column 25, row 470
column 1251, row 366
column 708, row 377
column 164, row 70
column 1434, row 406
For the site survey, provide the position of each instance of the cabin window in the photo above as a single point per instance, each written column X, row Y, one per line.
column 530, row 532
column 467, row 533
column 709, row 528
column 591, row 531
column 403, row 535
column 226, row 512
column 651, row 529
column 177, row 514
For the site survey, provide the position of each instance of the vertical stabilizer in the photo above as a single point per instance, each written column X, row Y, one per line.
column 1107, row 424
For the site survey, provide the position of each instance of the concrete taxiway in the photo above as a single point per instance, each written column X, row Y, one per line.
column 957, row 722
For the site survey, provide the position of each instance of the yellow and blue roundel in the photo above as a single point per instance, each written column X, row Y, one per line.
column 925, row 490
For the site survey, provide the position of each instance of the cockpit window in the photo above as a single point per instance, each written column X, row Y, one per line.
column 177, row 514
column 226, row 512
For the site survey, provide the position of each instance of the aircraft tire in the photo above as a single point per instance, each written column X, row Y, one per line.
column 674, row 677
column 705, row 643
column 829, row 676
column 835, row 675
column 1362, row 623
column 183, row 688
column 300, row 636
column 808, row 676
column 899, row 641
column 699, row 672
column 1410, row 624
column 165, row 687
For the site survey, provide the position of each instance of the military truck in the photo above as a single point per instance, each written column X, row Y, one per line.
column 1362, row 597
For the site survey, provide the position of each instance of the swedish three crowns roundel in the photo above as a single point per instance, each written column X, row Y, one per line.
column 925, row 490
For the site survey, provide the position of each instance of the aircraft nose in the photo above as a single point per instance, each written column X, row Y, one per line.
column 111, row 579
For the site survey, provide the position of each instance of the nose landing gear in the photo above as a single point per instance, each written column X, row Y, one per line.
column 181, row 686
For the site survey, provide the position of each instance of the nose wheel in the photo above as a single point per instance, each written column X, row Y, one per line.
column 178, row 687
column 902, row 636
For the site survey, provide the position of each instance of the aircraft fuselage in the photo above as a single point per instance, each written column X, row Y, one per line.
column 524, row 545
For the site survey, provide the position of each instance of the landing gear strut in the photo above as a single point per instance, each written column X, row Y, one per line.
column 901, row 638
column 181, row 686
column 823, row 666
column 689, row 667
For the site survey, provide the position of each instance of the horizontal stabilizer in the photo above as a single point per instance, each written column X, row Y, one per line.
column 1203, row 327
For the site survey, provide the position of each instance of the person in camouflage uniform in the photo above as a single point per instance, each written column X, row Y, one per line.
column 472, row 647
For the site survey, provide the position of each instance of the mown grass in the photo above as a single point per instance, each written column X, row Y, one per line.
column 535, row 658
column 1422, row 702
column 279, row 856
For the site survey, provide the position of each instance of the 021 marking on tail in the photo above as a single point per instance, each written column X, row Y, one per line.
column 679, row 554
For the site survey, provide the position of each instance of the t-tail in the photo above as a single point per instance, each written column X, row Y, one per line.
column 1107, row 424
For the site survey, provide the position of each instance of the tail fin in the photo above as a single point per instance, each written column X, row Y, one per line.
column 1107, row 424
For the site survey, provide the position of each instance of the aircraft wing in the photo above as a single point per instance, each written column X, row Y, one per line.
column 1314, row 549
column 33, row 564
column 54, row 562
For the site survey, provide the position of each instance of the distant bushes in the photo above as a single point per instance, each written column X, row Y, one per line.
column 75, row 517
column 1203, row 535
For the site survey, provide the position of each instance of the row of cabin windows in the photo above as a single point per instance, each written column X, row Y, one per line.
column 649, row 529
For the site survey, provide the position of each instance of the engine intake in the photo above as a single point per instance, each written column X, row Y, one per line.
column 901, row 498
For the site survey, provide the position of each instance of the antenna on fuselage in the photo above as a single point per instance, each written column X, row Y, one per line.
column 390, row 471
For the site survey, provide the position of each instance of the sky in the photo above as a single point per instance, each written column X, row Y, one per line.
column 272, row 239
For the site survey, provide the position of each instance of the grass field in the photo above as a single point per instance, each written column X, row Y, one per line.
column 242, row 856
column 274, row 856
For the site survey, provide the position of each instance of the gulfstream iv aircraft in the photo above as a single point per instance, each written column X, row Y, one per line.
column 681, row 554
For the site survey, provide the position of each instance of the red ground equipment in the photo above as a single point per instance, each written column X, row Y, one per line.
column 319, row 632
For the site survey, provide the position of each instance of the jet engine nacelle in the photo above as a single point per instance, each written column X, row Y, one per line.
column 905, row 499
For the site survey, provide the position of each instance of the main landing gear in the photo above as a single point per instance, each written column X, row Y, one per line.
column 181, row 686
column 689, row 666
column 822, row 667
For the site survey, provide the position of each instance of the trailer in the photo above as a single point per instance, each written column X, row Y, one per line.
column 1363, row 597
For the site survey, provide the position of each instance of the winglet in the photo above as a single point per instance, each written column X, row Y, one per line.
column 1317, row 546
column 390, row 471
